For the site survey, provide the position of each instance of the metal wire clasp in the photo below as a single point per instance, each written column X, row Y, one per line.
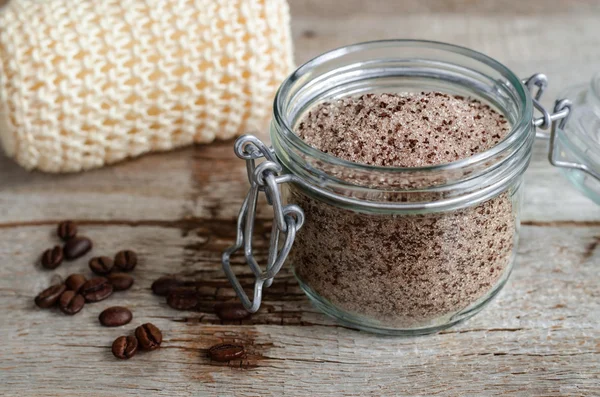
column 554, row 121
column 288, row 219
column 562, row 108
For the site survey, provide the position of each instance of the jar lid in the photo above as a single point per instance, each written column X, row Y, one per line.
column 576, row 144
column 574, row 132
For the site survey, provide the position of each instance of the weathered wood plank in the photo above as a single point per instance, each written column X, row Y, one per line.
column 176, row 186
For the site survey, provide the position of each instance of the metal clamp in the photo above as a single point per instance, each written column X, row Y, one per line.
column 540, row 81
column 554, row 121
column 288, row 219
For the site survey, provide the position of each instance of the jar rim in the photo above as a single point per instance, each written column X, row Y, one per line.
column 524, row 118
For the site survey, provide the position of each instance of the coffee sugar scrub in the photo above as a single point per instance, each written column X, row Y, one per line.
column 402, row 270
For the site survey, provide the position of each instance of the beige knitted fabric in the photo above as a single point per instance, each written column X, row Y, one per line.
column 87, row 83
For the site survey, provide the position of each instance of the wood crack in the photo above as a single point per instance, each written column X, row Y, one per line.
column 183, row 223
column 564, row 223
column 307, row 360
column 464, row 331
column 191, row 222
column 531, row 354
column 81, row 345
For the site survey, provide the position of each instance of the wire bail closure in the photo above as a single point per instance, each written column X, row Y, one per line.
column 553, row 121
column 288, row 219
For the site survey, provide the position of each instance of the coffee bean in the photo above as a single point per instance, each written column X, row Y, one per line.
column 164, row 285
column 225, row 352
column 183, row 298
column 48, row 297
column 77, row 247
column 71, row 302
column 125, row 347
column 75, row 281
column 52, row 257
column 66, row 230
column 120, row 281
column 101, row 265
column 230, row 311
column 96, row 289
column 115, row 316
column 149, row 336
column 126, row 260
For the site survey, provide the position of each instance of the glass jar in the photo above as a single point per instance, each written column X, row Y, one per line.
column 398, row 251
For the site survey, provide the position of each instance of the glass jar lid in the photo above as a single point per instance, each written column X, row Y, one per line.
column 575, row 147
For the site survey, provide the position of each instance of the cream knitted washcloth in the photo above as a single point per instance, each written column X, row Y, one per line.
column 87, row 83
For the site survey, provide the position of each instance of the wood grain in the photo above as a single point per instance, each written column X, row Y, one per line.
column 177, row 210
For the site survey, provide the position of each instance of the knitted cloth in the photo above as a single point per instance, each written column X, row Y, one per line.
column 87, row 83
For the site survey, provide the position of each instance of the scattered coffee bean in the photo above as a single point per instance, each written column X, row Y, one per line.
column 71, row 302
column 77, row 247
column 75, row 281
column 120, row 281
column 96, row 289
column 115, row 316
column 126, row 260
column 230, row 311
column 101, row 265
column 125, row 347
column 66, row 230
column 225, row 352
column 48, row 297
column 164, row 285
column 52, row 257
column 149, row 336
column 183, row 298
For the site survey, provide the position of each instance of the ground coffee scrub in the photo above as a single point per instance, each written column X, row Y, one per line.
column 410, row 270
column 395, row 180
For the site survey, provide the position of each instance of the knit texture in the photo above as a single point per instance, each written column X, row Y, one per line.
column 87, row 83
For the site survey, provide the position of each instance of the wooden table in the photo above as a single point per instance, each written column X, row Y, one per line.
column 540, row 337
